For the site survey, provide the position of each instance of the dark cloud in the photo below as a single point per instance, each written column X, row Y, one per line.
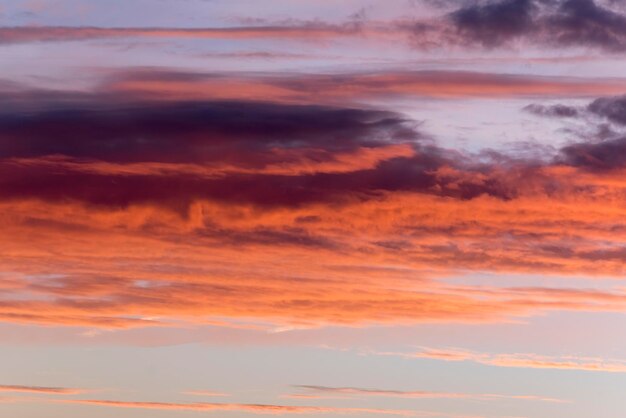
column 555, row 111
column 604, row 150
column 191, row 132
column 605, row 155
column 494, row 22
column 612, row 108
column 416, row 174
column 116, row 154
column 568, row 23
column 105, row 154
column 584, row 23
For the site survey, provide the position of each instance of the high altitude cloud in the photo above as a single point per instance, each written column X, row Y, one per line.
column 496, row 23
column 40, row 390
column 418, row 394
column 343, row 89
column 250, row 408
column 302, row 30
column 524, row 360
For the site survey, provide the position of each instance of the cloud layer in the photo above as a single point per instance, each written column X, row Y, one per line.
column 180, row 210
column 578, row 24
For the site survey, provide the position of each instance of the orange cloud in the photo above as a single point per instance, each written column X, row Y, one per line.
column 523, row 360
column 295, row 216
column 288, row 163
column 247, row 254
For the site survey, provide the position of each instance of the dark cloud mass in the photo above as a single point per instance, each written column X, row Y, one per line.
column 605, row 155
column 174, row 153
column 583, row 22
column 569, row 23
column 106, row 154
column 612, row 108
column 494, row 22
column 191, row 132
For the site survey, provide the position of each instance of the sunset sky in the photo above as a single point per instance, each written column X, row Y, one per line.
column 312, row 208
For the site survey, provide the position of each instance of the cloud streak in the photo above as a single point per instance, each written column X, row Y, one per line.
column 304, row 30
column 492, row 24
column 524, row 360
column 40, row 390
column 355, row 391
column 357, row 87
column 250, row 408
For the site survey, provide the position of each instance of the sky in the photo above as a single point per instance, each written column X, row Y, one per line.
column 312, row 208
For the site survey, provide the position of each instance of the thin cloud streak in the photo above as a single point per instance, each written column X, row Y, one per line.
column 342, row 88
column 250, row 408
column 422, row 394
column 519, row 360
column 310, row 31
column 504, row 24
column 41, row 390
column 207, row 393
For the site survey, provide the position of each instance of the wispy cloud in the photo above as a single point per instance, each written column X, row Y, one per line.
column 354, row 87
column 41, row 390
column 497, row 24
column 207, row 393
column 421, row 394
column 303, row 30
column 250, row 408
column 520, row 360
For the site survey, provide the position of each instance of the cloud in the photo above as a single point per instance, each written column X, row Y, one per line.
column 528, row 23
column 339, row 89
column 40, row 390
column 494, row 22
column 490, row 24
column 250, row 408
column 419, row 394
column 173, row 154
column 612, row 108
column 553, row 111
column 110, row 134
column 524, row 360
column 296, row 30
column 176, row 212
column 605, row 155
column 207, row 393
column 585, row 23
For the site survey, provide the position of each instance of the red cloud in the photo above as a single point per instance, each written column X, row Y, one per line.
column 127, row 214
column 342, row 88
